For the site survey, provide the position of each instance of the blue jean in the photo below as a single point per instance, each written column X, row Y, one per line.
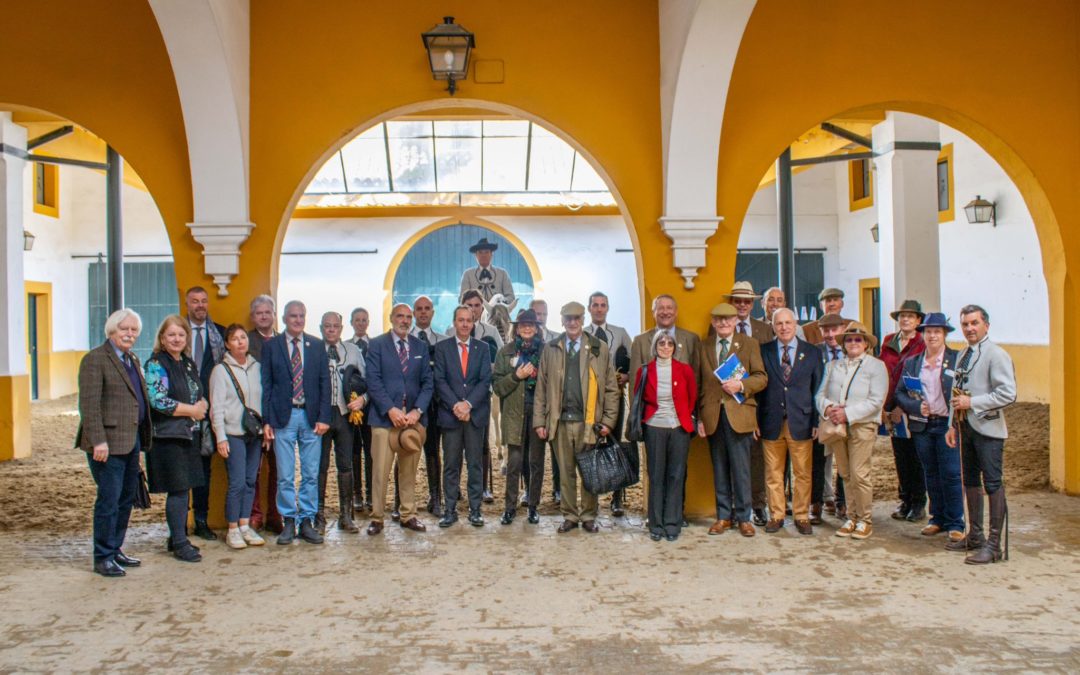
column 117, row 480
column 243, row 468
column 941, row 467
column 297, row 432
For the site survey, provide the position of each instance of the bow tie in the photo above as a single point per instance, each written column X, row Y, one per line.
column 485, row 275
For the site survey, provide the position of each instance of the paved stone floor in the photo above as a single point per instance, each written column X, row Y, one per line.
column 525, row 599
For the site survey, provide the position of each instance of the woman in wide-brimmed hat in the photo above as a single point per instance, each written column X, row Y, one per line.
column 853, row 394
column 905, row 343
column 927, row 405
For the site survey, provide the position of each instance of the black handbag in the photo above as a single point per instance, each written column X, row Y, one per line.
column 250, row 421
column 634, row 429
column 604, row 466
column 142, row 492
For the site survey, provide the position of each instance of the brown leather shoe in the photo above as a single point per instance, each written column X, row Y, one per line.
column 774, row 525
column 804, row 527
column 746, row 529
column 590, row 526
column 374, row 527
column 931, row 530
column 815, row 514
column 566, row 526
column 719, row 526
column 841, row 511
column 413, row 524
column 830, row 507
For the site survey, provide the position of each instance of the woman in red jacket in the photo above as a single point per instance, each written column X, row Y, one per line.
column 669, row 396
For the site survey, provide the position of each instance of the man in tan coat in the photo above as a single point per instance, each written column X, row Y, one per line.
column 577, row 399
column 687, row 344
column 728, row 424
column 832, row 302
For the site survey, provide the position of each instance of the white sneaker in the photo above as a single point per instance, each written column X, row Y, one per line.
column 235, row 540
column 251, row 537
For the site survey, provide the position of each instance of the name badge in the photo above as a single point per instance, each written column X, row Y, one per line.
column 950, row 373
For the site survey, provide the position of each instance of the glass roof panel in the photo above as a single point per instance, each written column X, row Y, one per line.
column 365, row 162
column 458, row 163
column 504, row 163
column 457, row 128
column 549, row 163
column 585, row 177
column 329, row 178
column 412, row 165
column 421, row 129
column 506, row 128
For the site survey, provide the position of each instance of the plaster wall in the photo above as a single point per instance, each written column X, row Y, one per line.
column 576, row 255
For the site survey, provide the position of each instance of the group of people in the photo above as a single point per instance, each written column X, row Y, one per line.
column 759, row 392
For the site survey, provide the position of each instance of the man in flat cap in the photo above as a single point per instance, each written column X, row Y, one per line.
column 485, row 277
column 832, row 302
column 577, row 401
column 728, row 424
column 742, row 298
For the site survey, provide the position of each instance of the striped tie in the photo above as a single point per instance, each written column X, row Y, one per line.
column 785, row 363
column 296, row 367
column 403, row 355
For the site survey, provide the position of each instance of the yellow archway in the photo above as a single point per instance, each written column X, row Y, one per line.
column 399, row 256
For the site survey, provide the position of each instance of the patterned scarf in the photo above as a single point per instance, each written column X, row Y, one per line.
column 529, row 351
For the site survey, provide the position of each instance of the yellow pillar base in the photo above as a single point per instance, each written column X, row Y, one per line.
column 14, row 417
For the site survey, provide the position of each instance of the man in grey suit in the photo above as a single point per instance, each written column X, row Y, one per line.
column 985, row 375
column 485, row 277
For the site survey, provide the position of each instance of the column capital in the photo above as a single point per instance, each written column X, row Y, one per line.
column 221, row 250
column 688, row 235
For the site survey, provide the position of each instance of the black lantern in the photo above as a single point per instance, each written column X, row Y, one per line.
column 979, row 210
column 448, row 46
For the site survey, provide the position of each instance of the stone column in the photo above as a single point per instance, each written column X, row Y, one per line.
column 905, row 192
column 14, row 379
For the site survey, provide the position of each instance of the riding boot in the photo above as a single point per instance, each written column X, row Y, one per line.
column 974, row 539
column 991, row 551
column 436, row 506
column 345, row 488
column 320, row 517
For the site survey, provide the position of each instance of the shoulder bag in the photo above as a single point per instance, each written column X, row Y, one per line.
column 634, row 431
column 250, row 421
column 828, row 431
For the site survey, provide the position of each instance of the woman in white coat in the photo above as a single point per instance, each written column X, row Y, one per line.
column 852, row 395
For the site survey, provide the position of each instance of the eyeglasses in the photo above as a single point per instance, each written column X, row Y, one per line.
column 742, row 301
column 853, row 338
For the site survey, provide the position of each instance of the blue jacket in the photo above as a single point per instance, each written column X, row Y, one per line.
column 277, row 381
column 907, row 401
column 452, row 386
column 391, row 387
column 795, row 398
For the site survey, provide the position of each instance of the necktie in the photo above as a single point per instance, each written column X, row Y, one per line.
column 723, row 351
column 835, row 353
column 573, row 348
column 403, row 355
column 335, row 382
column 742, row 327
column 296, row 367
column 200, row 346
column 423, row 336
column 601, row 334
column 785, row 363
column 361, row 345
column 464, row 357
column 966, row 360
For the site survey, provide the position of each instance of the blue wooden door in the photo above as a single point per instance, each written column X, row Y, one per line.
column 433, row 267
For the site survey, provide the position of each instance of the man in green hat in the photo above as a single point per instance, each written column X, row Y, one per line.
column 831, row 301
column 577, row 401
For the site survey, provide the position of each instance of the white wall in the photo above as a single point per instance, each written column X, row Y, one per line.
column 80, row 230
column 576, row 255
column 999, row 268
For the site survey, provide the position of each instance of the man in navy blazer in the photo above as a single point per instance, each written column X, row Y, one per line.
column 787, row 420
column 463, row 381
column 400, row 387
column 296, row 410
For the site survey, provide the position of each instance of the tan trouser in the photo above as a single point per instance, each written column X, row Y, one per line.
column 853, row 463
column 569, row 438
column 382, row 462
column 802, row 458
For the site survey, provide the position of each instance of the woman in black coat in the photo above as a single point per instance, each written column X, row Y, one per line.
column 177, row 404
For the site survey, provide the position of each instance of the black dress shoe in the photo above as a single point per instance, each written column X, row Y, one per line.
column 534, row 517
column 308, row 532
column 203, row 531
column 448, row 519
column 655, row 536
column 507, row 517
column 187, row 553
column 685, row 523
column 901, row 512
column 169, row 545
column 108, row 568
column 671, row 537
column 488, row 497
column 475, row 519
column 590, row 526
column 126, row 560
column 395, row 515
column 916, row 514
column 288, row 532
column 760, row 518
column 556, row 497
column 566, row 526
column 437, row 510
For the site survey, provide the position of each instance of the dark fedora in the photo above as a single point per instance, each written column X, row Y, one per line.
column 526, row 316
column 935, row 320
column 483, row 245
column 913, row 306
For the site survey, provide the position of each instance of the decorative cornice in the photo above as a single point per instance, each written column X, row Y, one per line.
column 221, row 250
column 688, row 236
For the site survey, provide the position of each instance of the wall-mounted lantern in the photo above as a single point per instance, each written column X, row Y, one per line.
column 448, row 46
column 979, row 210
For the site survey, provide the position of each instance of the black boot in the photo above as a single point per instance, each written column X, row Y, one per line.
column 616, row 504
column 345, row 521
column 203, row 531
column 991, row 551
column 288, row 532
column 308, row 532
column 320, row 517
column 534, row 517
column 974, row 539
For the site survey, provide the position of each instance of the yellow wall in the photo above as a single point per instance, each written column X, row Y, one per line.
column 14, row 429
column 799, row 65
column 1032, row 363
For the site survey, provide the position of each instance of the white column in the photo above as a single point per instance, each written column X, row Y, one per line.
column 12, row 289
column 905, row 192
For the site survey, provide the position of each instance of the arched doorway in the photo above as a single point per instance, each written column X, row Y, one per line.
column 432, row 266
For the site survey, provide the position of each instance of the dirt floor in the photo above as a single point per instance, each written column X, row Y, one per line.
column 525, row 599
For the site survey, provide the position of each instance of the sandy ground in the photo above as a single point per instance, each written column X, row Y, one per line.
column 525, row 599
